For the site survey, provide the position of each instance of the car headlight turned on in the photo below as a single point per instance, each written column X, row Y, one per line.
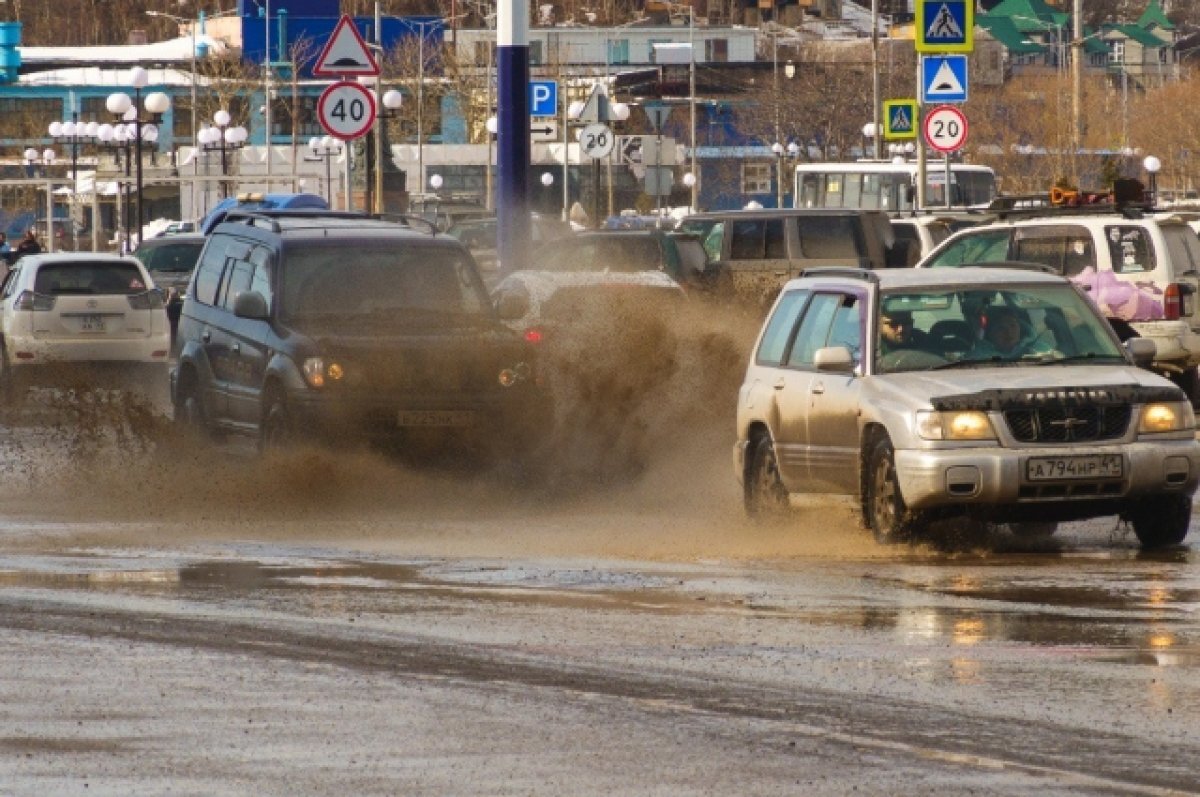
column 318, row 372
column 954, row 425
column 1167, row 416
column 518, row 373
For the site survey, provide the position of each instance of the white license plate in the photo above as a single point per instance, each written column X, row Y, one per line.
column 1089, row 466
column 91, row 323
column 455, row 418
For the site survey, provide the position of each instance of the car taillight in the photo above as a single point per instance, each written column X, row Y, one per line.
column 28, row 300
column 534, row 335
column 149, row 300
column 1173, row 302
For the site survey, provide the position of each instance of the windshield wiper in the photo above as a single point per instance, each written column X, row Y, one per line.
column 1090, row 357
column 990, row 361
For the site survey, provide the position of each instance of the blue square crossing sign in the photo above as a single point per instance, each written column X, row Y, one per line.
column 945, row 26
column 899, row 119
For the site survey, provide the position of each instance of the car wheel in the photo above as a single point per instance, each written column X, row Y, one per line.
column 764, row 495
column 1033, row 530
column 888, row 516
column 276, row 430
column 189, row 410
column 1161, row 521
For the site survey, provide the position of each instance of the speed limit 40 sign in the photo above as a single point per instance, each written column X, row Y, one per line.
column 347, row 110
column 945, row 128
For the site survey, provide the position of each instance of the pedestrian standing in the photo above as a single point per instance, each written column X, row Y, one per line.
column 29, row 244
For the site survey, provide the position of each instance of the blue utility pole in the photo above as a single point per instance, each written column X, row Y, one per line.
column 512, row 132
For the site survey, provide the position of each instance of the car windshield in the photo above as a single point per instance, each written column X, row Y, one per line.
column 85, row 278
column 1044, row 324
column 173, row 257
column 601, row 253
column 383, row 282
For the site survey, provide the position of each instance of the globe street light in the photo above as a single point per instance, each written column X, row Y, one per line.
column 325, row 148
column 1152, row 164
column 144, row 129
column 224, row 139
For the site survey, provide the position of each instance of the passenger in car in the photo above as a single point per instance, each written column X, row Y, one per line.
column 1004, row 335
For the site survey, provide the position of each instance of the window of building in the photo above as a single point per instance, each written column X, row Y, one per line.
column 756, row 178
column 716, row 50
column 618, row 51
column 1116, row 52
column 537, row 52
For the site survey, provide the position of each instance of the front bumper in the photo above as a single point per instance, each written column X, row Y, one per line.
column 990, row 477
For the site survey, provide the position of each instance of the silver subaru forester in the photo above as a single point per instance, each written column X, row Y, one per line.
column 1000, row 393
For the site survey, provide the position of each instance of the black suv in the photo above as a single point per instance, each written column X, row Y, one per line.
column 343, row 325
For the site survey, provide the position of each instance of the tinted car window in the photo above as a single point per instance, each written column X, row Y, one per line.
column 814, row 329
column 1184, row 247
column 746, row 240
column 1130, row 248
column 210, row 268
column 830, row 237
column 379, row 280
column 238, row 282
column 61, row 279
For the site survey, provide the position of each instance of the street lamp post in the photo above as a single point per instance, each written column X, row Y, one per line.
column 224, row 139
column 1152, row 164
column 326, row 148
column 389, row 108
column 144, row 130
column 778, row 150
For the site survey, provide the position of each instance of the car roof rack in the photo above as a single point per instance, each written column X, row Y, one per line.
column 408, row 220
column 1022, row 265
column 864, row 274
column 270, row 217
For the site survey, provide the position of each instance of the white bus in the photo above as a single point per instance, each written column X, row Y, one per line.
column 891, row 185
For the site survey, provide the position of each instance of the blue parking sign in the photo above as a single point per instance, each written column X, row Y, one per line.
column 945, row 26
column 543, row 98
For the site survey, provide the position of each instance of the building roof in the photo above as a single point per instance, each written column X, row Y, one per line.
column 171, row 51
column 1137, row 34
column 1155, row 17
column 1003, row 30
column 1029, row 15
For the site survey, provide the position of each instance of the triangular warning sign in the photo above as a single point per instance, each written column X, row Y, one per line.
column 345, row 53
column 944, row 26
column 944, row 82
column 901, row 122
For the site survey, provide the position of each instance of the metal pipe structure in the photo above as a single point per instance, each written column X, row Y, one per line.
column 512, row 56
column 1076, row 88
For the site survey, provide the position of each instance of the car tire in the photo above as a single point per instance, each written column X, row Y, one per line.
column 1033, row 529
column 1161, row 521
column 189, row 410
column 888, row 517
column 276, row 431
column 764, row 495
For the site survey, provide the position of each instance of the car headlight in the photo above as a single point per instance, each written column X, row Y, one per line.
column 954, row 425
column 317, row 371
column 1167, row 416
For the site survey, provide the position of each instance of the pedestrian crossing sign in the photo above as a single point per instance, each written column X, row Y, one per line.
column 945, row 26
column 899, row 119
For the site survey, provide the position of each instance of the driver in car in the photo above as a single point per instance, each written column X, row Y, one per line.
column 896, row 332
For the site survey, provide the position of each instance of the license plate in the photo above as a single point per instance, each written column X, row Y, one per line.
column 455, row 418
column 1090, row 466
column 91, row 323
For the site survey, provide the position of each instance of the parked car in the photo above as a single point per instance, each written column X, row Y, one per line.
column 479, row 235
column 77, row 309
column 993, row 393
column 170, row 260
column 754, row 252
column 1142, row 269
column 339, row 326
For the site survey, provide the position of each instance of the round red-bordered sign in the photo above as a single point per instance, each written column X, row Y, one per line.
column 945, row 128
column 347, row 110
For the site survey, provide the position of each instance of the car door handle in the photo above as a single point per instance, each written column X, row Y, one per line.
column 780, row 383
column 818, row 387
column 206, row 336
column 237, row 348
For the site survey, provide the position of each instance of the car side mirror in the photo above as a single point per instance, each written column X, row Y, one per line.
column 1142, row 350
column 250, row 304
column 512, row 305
column 834, row 359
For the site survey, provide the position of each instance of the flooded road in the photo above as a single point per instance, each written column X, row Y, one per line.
column 332, row 623
column 185, row 618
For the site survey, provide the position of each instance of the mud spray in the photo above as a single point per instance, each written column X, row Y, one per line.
column 638, row 464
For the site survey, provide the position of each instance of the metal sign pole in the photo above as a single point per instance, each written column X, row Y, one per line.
column 512, row 57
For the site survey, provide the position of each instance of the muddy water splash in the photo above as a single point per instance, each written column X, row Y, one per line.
column 638, row 463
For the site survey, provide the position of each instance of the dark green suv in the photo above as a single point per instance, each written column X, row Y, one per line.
column 339, row 325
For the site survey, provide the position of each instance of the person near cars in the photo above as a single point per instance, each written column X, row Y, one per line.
column 1004, row 335
column 896, row 332
column 29, row 244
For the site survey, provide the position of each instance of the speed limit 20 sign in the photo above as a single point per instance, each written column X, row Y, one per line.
column 945, row 128
column 346, row 110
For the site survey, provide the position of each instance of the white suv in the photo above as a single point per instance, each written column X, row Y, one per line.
column 996, row 393
column 1142, row 269
column 81, row 308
